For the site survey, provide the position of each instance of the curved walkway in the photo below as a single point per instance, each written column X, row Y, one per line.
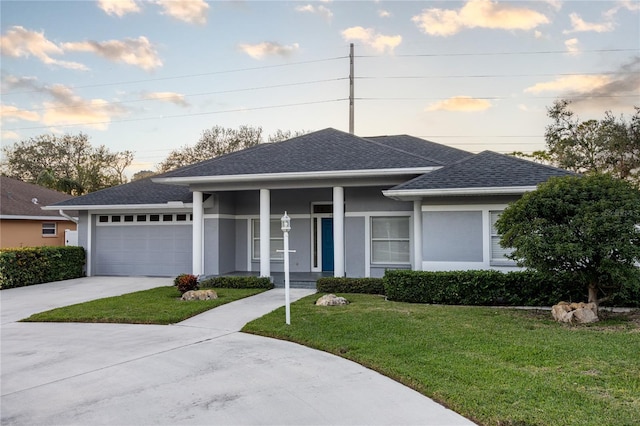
column 201, row 371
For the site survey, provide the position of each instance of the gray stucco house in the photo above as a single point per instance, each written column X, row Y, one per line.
column 358, row 206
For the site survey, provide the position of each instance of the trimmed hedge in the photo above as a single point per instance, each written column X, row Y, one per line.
column 237, row 282
column 350, row 285
column 524, row 288
column 35, row 265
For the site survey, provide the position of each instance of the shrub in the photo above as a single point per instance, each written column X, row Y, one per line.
column 350, row 285
column 186, row 282
column 237, row 282
column 36, row 265
column 486, row 287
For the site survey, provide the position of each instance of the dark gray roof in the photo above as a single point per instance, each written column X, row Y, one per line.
column 16, row 198
column 324, row 150
column 142, row 191
column 485, row 170
column 442, row 154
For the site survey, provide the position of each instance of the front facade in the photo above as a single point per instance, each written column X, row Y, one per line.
column 358, row 206
column 23, row 223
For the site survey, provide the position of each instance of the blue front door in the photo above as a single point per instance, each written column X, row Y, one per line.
column 327, row 244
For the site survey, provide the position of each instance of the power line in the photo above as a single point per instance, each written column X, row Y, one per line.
column 536, row 52
column 492, row 75
column 92, row 123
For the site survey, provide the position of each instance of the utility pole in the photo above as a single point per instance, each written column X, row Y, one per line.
column 351, row 78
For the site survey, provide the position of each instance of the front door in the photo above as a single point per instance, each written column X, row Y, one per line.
column 327, row 244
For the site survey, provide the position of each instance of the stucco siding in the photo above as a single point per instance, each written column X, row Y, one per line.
column 28, row 233
column 226, row 246
column 453, row 236
column 355, row 246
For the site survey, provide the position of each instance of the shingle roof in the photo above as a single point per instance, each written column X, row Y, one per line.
column 437, row 152
column 17, row 198
column 485, row 170
column 142, row 191
column 324, row 150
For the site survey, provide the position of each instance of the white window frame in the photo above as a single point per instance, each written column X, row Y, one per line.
column 49, row 228
column 373, row 239
column 494, row 259
column 276, row 237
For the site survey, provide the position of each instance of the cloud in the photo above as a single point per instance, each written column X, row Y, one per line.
column 267, row 48
column 574, row 83
column 367, row 36
column 171, row 97
column 11, row 112
column 478, row 14
column 118, row 7
column 69, row 108
column 10, row 135
column 572, row 46
column 19, row 42
column 139, row 52
column 190, row 11
column 579, row 25
column 460, row 104
column 323, row 11
column 384, row 13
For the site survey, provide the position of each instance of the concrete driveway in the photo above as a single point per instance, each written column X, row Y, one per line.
column 201, row 371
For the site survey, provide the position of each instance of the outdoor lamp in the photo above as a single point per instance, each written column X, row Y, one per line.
column 286, row 223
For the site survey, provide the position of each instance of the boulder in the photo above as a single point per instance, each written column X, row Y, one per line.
column 575, row 313
column 199, row 295
column 331, row 300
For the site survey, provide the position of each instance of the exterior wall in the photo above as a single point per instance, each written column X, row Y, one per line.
column 457, row 234
column 355, row 246
column 28, row 233
column 226, row 245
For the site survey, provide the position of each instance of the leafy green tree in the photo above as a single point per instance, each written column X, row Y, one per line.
column 582, row 228
column 610, row 145
column 142, row 174
column 218, row 141
column 67, row 163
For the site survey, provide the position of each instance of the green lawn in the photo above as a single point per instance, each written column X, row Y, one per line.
column 494, row 366
column 160, row 305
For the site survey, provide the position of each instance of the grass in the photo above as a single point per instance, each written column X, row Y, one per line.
column 161, row 305
column 494, row 366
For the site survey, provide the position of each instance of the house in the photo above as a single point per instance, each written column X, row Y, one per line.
column 357, row 205
column 23, row 223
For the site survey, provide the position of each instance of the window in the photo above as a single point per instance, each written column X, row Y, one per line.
column 498, row 254
column 167, row 217
column 103, row 219
column 141, row 218
column 390, row 240
column 128, row 218
column 115, row 219
column 48, row 229
column 154, row 218
column 277, row 239
column 181, row 217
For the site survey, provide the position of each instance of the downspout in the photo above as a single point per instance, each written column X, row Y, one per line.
column 72, row 219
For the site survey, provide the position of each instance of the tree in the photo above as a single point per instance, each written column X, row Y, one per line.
column 218, row 141
column 142, row 174
column 584, row 228
column 610, row 145
column 65, row 163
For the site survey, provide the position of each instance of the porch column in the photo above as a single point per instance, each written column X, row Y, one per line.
column 417, row 235
column 196, row 224
column 265, row 233
column 338, row 231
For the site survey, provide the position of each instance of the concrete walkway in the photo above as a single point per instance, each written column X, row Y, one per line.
column 200, row 371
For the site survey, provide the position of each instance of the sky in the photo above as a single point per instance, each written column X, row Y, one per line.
column 149, row 76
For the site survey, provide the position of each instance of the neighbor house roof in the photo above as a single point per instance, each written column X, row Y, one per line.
column 487, row 172
column 21, row 200
column 139, row 192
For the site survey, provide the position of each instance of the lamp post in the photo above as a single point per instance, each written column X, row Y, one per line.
column 286, row 227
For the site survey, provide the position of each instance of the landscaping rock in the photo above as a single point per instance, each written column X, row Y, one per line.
column 199, row 295
column 575, row 313
column 331, row 300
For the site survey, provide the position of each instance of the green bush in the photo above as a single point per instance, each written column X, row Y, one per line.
column 36, row 265
column 350, row 285
column 237, row 282
column 521, row 288
column 186, row 282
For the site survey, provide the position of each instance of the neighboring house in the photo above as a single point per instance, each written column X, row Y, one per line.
column 358, row 206
column 23, row 223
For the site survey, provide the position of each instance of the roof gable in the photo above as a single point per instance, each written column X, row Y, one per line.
column 442, row 154
column 324, row 150
column 19, row 198
column 485, row 170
